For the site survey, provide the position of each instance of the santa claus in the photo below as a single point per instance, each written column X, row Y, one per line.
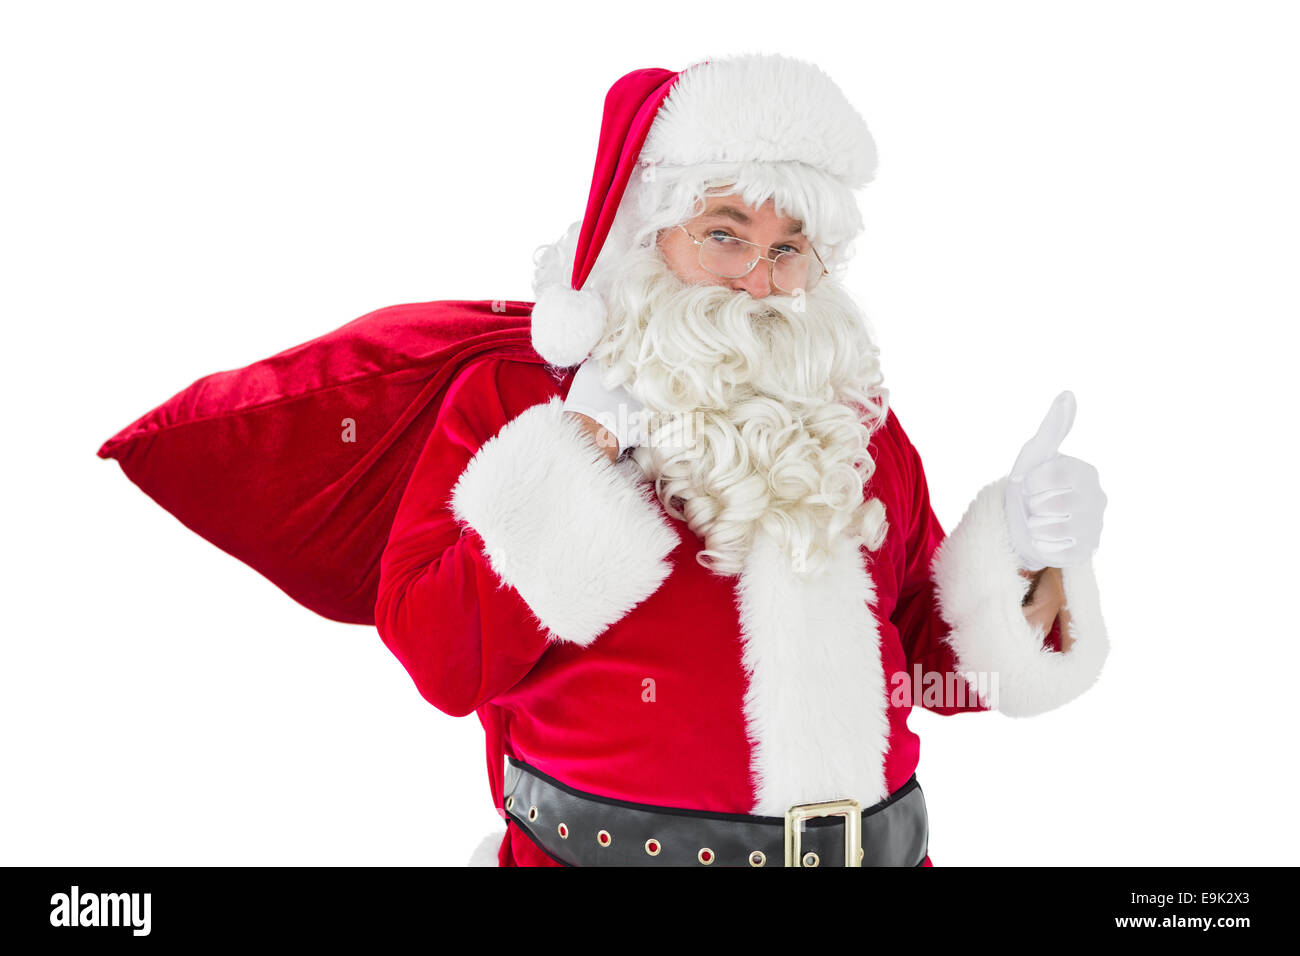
column 693, row 588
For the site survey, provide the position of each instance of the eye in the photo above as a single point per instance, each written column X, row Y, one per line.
column 789, row 248
column 723, row 237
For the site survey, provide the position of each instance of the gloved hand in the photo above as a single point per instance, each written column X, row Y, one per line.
column 1054, row 502
column 616, row 410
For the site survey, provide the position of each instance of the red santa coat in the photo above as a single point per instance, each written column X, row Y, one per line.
column 530, row 580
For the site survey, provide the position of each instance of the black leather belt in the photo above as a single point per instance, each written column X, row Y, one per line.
column 582, row 829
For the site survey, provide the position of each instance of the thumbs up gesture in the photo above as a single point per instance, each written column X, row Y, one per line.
column 1054, row 502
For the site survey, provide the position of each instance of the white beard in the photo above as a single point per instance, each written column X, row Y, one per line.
column 760, row 410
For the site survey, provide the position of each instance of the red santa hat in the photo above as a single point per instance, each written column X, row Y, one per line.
column 733, row 111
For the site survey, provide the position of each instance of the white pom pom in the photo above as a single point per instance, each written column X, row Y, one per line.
column 567, row 324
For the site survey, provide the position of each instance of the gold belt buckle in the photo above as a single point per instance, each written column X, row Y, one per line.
column 850, row 810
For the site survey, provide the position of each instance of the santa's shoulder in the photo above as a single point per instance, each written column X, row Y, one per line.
column 497, row 387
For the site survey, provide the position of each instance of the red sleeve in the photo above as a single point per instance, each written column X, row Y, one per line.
column 442, row 610
column 514, row 530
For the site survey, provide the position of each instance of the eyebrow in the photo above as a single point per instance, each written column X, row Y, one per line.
column 731, row 212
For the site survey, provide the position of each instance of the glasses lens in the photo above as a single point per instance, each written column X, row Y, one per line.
column 794, row 270
column 726, row 256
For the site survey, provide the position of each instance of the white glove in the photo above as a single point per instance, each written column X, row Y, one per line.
column 1054, row 502
column 616, row 410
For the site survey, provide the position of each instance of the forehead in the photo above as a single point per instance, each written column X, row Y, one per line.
column 734, row 209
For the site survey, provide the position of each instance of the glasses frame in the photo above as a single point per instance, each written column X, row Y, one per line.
column 771, row 268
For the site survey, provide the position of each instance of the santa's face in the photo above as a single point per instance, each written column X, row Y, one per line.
column 729, row 216
column 762, row 401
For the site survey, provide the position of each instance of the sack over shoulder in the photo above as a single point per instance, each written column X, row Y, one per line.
column 296, row 464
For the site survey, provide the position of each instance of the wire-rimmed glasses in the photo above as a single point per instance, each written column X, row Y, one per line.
column 728, row 257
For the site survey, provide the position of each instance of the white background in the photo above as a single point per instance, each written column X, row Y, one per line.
column 1095, row 196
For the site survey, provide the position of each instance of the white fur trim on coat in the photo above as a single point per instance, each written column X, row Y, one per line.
column 816, row 706
column 980, row 589
column 575, row 534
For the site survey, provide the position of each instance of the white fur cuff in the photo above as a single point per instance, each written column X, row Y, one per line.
column 575, row 534
column 980, row 589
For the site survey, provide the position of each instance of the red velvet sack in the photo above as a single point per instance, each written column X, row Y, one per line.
column 259, row 462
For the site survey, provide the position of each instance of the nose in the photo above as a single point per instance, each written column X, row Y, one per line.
column 757, row 282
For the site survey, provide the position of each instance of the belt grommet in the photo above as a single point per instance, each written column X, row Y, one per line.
column 652, row 846
column 510, row 802
column 757, row 858
column 603, row 838
column 532, row 814
column 811, row 859
column 563, row 831
column 705, row 855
